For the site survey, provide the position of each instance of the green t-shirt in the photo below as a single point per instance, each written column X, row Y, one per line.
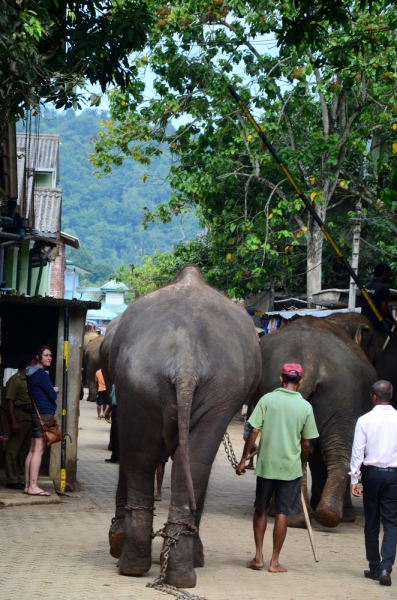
column 285, row 418
column 17, row 390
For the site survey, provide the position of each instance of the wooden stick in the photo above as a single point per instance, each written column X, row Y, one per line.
column 309, row 527
column 388, row 339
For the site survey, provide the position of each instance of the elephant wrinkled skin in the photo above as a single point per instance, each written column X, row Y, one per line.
column 183, row 359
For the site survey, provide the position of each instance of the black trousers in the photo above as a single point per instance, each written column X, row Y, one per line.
column 380, row 503
column 114, row 435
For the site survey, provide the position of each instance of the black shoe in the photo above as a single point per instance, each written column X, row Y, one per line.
column 384, row 578
column 15, row 486
column 111, row 460
column 371, row 575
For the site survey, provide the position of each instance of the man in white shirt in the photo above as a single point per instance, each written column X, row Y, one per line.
column 375, row 448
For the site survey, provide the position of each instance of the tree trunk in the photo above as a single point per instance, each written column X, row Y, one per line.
column 314, row 257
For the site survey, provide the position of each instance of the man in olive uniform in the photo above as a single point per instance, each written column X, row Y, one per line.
column 20, row 411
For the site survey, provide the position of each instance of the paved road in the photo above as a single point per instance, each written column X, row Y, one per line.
column 61, row 551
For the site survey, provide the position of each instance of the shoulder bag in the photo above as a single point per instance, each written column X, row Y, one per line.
column 51, row 431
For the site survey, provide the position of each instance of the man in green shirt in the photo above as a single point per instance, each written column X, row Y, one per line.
column 287, row 424
column 20, row 412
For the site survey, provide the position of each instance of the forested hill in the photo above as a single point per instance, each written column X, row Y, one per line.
column 105, row 214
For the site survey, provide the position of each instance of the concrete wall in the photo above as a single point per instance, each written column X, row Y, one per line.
column 76, row 332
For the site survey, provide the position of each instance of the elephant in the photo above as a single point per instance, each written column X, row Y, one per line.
column 183, row 359
column 372, row 342
column 90, row 335
column 337, row 380
column 91, row 364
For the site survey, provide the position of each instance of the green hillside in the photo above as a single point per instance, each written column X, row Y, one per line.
column 105, row 214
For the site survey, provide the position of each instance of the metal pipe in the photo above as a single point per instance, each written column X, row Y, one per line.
column 19, row 264
column 10, row 236
column 36, row 291
column 28, row 237
column 6, row 220
column 29, row 286
column 43, row 258
column 1, row 264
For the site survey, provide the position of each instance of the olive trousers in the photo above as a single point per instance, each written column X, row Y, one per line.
column 18, row 448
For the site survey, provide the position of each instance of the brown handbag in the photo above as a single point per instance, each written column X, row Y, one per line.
column 51, row 432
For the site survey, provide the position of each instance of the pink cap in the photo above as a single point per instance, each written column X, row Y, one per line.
column 292, row 369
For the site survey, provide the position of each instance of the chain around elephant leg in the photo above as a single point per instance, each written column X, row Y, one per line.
column 171, row 539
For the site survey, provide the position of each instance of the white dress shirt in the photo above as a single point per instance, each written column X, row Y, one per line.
column 375, row 440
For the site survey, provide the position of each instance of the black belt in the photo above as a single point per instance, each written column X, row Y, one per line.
column 371, row 468
column 23, row 409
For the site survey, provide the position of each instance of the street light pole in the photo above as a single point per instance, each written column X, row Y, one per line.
column 355, row 255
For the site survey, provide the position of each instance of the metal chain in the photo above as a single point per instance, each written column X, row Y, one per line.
column 229, row 450
column 172, row 538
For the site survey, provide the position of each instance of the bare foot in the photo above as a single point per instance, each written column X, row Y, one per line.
column 250, row 467
column 98, row 418
column 157, row 497
column 277, row 568
column 255, row 564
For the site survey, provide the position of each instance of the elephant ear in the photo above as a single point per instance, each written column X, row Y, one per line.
column 363, row 336
column 358, row 336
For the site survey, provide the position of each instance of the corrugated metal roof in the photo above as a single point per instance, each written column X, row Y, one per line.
column 43, row 150
column 307, row 312
column 114, row 286
column 47, row 210
column 102, row 314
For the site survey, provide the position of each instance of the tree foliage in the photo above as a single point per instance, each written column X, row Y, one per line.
column 327, row 102
column 49, row 47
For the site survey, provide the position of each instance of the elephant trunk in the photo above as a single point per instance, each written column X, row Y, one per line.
column 184, row 396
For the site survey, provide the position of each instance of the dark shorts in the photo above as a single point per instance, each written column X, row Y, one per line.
column 37, row 431
column 164, row 454
column 102, row 398
column 287, row 495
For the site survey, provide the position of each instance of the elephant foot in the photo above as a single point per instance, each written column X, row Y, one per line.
column 138, row 566
column 136, row 557
column 349, row 514
column 198, row 553
column 296, row 521
column 181, row 579
column 327, row 516
column 180, row 570
column 116, row 537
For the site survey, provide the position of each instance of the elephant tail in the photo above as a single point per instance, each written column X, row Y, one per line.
column 184, row 395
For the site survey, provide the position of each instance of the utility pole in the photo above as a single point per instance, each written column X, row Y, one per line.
column 355, row 254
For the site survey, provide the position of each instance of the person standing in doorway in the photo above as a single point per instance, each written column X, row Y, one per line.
column 44, row 395
column 375, row 453
column 19, row 409
column 287, row 424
